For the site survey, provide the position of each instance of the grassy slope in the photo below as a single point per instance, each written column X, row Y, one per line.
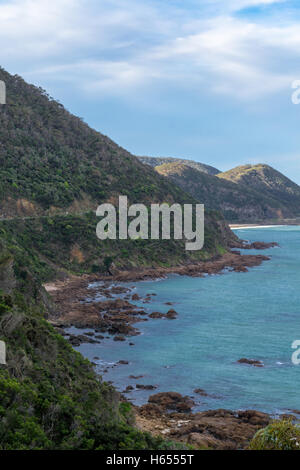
column 157, row 161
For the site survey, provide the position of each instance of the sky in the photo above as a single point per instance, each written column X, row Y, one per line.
column 208, row 80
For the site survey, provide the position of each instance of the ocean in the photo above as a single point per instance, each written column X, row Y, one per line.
column 222, row 318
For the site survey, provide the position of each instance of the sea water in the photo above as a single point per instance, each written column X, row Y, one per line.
column 222, row 318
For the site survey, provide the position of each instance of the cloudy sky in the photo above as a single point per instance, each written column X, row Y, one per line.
column 203, row 79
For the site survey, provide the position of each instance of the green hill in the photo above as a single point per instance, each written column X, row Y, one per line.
column 269, row 183
column 245, row 194
column 54, row 165
column 51, row 161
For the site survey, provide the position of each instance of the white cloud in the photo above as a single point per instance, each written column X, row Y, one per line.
column 121, row 46
column 242, row 59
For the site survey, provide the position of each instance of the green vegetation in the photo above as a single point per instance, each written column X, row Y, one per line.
column 56, row 170
column 52, row 161
column 49, row 245
column 279, row 435
column 50, row 397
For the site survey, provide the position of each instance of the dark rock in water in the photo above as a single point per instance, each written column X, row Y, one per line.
column 240, row 269
column 157, row 315
column 171, row 314
column 131, row 344
column 168, row 303
column 201, row 392
column 251, row 362
column 172, row 401
column 260, row 245
column 136, row 377
column 139, row 312
column 78, row 340
column 99, row 337
column 90, row 334
column 123, row 362
column 87, row 339
column 96, row 358
column 145, row 387
column 128, row 389
column 119, row 338
column 135, row 297
column 74, row 341
column 123, row 329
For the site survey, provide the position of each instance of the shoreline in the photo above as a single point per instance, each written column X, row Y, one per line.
column 118, row 314
column 115, row 314
column 283, row 223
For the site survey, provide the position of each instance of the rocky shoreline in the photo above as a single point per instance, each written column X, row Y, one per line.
column 170, row 415
column 214, row 429
column 114, row 313
column 100, row 303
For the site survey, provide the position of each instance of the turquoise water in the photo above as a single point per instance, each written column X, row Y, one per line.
column 222, row 318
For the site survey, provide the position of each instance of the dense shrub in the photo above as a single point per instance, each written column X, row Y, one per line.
column 279, row 435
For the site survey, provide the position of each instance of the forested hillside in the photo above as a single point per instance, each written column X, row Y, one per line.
column 52, row 161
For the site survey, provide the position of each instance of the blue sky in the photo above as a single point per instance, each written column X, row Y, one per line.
column 208, row 80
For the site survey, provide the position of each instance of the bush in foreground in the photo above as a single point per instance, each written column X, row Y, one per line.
column 279, row 435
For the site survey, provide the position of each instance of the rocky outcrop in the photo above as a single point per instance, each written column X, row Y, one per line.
column 215, row 429
column 201, row 392
column 251, row 362
column 231, row 260
column 253, row 246
column 170, row 315
column 168, row 401
column 145, row 387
